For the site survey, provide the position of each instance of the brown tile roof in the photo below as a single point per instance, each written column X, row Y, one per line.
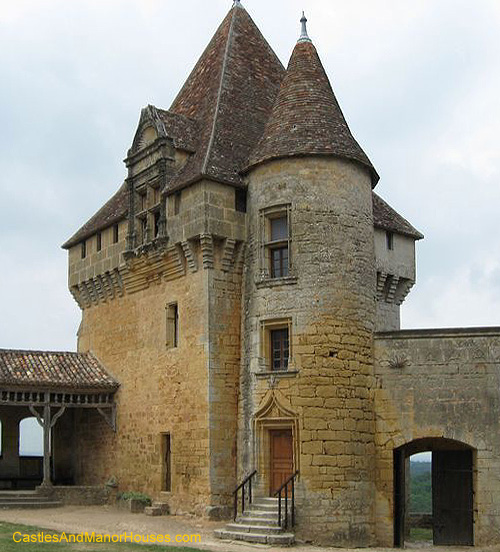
column 230, row 92
column 54, row 370
column 386, row 218
column 307, row 119
column 183, row 130
column 114, row 210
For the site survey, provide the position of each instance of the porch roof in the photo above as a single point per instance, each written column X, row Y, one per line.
column 54, row 371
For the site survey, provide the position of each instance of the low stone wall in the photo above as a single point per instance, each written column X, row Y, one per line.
column 80, row 496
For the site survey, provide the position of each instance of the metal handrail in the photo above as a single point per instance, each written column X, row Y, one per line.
column 290, row 480
column 248, row 479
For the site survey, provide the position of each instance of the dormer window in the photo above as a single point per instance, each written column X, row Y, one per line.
column 156, row 223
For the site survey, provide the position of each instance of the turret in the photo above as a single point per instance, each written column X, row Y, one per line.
column 310, row 306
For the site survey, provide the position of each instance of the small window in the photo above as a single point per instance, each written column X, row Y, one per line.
column 115, row 233
column 84, row 249
column 172, row 336
column 144, row 230
column 389, row 239
column 177, row 203
column 157, row 223
column 275, row 343
column 240, row 200
column 280, row 349
column 99, row 241
column 277, row 246
column 167, row 462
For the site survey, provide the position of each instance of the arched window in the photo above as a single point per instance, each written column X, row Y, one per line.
column 30, row 437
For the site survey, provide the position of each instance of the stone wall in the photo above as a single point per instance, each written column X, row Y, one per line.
column 162, row 390
column 441, row 384
column 328, row 301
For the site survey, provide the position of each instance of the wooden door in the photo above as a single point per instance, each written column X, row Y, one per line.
column 281, row 458
column 452, row 497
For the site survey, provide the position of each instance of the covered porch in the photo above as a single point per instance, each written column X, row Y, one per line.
column 55, row 389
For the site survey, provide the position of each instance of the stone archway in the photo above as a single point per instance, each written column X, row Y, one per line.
column 452, row 490
column 273, row 421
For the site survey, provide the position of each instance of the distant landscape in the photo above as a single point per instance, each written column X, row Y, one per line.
column 421, row 487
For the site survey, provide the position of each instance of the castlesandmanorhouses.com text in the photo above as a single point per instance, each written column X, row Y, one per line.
column 93, row 537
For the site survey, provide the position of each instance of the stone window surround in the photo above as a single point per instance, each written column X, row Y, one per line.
column 147, row 197
column 265, row 360
column 266, row 214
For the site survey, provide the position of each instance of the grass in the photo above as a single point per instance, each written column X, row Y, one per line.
column 7, row 543
column 419, row 534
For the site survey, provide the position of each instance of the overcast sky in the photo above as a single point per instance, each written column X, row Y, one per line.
column 418, row 80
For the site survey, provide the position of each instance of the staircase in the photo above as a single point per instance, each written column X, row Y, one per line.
column 258, row 524
column 12, row 500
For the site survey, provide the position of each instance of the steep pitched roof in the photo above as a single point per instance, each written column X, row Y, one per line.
column 43, row 369
column 386, row 218
column 230, row 92
column 114, row 210
column 307, row 119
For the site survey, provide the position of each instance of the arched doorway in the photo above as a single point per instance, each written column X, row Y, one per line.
column 30, row 453
column 452, row 490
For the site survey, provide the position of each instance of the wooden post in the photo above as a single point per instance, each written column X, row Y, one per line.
column 46, row 446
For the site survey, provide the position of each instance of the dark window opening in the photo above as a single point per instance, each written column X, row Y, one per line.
column 389, row 238
column 240, row 200
column 84, row 249
column 167, row 463
column 157, row 223
column 172, row 325
column 115, row 233
column 99, row 241
column 177, row 203
column 279, row 229
column 280, row 349
column 279, row 262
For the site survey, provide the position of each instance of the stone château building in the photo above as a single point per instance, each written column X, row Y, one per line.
column 240, row 299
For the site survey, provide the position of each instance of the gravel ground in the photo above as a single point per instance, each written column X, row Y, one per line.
column 110, row 520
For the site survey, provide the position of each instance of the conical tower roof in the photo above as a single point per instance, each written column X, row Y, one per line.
column 306, row 118
column 230, row 93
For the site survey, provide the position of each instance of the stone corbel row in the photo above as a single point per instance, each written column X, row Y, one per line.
column 232, row 256
column 392, row 289
column 100, row 288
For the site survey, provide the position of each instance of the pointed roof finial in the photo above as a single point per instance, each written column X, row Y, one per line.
column 236, row 3
column 304, row 37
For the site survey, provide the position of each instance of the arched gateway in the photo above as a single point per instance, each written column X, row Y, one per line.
column 452, row 490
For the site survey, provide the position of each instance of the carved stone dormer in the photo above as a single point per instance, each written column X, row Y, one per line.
column 162, row 144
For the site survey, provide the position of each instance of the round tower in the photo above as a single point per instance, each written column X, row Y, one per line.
column 309, row 309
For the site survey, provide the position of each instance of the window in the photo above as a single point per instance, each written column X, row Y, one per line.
column 167, row 462
column 99, row 241
column 84, row 249
column 172, row 337
column 389, row 240
column 276, row 346
column 177, row 203
column 157, row 223
column 278, row 246
column 144, row 229
column 279, row 349
column 240, row 200
column 115, row 233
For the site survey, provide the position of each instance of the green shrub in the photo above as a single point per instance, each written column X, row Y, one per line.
column 141, row 497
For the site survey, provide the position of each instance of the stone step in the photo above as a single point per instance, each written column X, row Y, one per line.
column 251, row 528
column 164, row 507
column 153, row 511
column 283, row 539
column 29, row 504
column 262, row 513
column 263, row 521
column 264, row 506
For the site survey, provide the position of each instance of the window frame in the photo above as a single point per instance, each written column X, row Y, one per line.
column 267, row 329
column 268, row 245
column 172, row 333
column 389, row 240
